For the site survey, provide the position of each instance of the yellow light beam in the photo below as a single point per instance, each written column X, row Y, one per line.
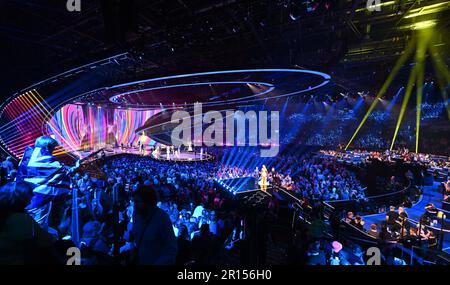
column 439, row 63
column 423, row 41
column 409, row 87
column 443, row 87
column 386, row 84
column 442, row 75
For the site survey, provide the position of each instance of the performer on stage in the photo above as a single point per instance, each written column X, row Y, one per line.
column 141, row 148
column 263, row 181
column 49, row 178
column 157, row 152
column 256, row 172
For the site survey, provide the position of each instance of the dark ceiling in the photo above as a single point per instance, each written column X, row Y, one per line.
column 40, row 38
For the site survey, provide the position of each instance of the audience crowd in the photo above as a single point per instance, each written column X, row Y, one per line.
column 137, row 210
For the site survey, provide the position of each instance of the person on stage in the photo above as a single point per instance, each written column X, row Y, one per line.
column 48, row 177
column 157, row 152
column 263, row 182
column 141, row 148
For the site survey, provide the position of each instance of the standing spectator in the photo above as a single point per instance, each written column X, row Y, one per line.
column 203, row 246
column 316, row 256
column 391, row 216
column 154, row 237
column 49, row 178
column 8, row 165
column 184, row 246
column 22, row 240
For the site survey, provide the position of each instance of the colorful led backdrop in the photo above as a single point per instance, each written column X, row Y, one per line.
column 90, row 127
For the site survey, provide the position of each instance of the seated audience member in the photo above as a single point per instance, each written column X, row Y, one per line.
column 357, row 256
column 18, row 230
column 155, row 240
column 401, row 211
column 359, row 223
column 316, row 256
column 385, row 235
column 447, row 198
column 447, row 187
column 412, row 232
column 198, row 211
column 337, row 256
column 392, row 260
column 93, row 241
column 425, row 219
column 431, row 211
column 373, row 231
column 349, row 219
column 429, row 215
column 432, row 240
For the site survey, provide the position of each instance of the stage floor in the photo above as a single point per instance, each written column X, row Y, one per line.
column 241, row 185
column 113, row 151
column 183, row 156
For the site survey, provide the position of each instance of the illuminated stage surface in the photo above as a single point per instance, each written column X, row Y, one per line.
column 242, row 185
column 247, row 190
column 108, row 152
column 184, row 156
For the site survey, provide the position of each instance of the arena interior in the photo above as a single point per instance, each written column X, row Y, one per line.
column 244, row 133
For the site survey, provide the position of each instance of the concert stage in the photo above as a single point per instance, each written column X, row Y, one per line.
column 246, row 190
column 183, row 156
column 241, row 185
column 107, row 152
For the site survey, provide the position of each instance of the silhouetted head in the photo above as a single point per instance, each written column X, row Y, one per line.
column 46, row 142
column 145, row 198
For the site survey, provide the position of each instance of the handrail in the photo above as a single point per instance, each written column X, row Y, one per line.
column 447, row 259
column 376, row 196
column 289, row 194
column 431, row 227
column 328, row 205
column 372, row 239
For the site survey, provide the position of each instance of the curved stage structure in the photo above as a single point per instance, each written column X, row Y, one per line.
column 72, row 108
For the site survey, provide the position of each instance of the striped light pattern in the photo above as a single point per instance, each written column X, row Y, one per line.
column 21, row 121
column 91, row 127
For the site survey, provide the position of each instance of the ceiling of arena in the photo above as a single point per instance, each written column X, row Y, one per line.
column 40, row 38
